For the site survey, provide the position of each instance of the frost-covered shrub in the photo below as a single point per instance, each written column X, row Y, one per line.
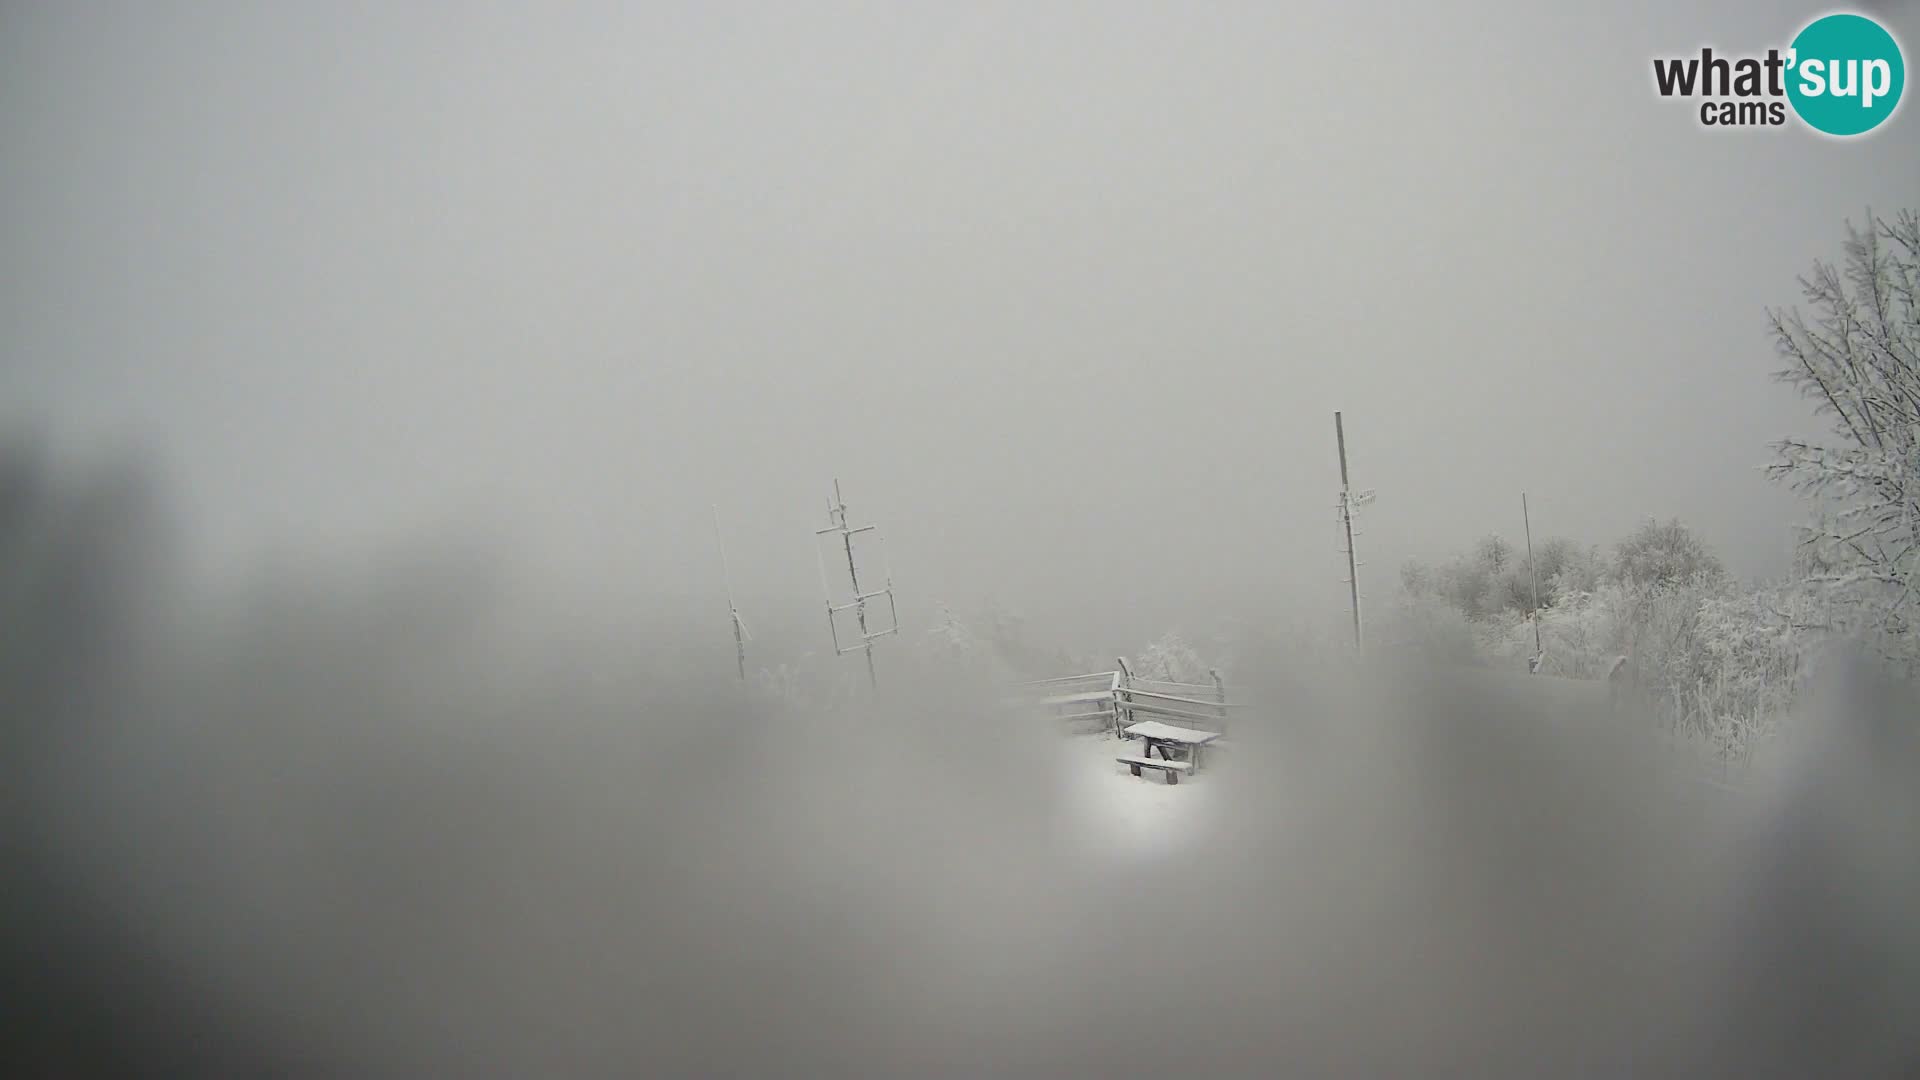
column 1758, row 647
column 1664, row 555
column 1173, row 660
column 1709, row 661
column 950, row 638
column 1427, row 628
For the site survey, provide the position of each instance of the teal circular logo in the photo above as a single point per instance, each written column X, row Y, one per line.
column 1845, row 74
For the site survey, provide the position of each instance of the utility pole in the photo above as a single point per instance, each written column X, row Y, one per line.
column 1539, row 650
column 837, row 518
column 740, row 635
column 1346, row 523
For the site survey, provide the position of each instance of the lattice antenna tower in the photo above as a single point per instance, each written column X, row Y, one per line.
column 838, row 527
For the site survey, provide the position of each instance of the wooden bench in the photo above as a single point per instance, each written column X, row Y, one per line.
column 1173, row 769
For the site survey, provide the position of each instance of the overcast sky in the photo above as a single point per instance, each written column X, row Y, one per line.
column 1065, row 294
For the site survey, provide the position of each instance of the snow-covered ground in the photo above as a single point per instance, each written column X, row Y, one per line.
column 1134, row 816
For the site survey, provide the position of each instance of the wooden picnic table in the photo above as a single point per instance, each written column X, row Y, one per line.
column 1166, row 737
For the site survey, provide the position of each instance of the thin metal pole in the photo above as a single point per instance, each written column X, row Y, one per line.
column 1346, row 522
column 726, row 576
column 1533, row 574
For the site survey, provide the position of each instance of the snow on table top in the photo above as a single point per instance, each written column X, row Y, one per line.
column 1154, row 729
column 1117, row 814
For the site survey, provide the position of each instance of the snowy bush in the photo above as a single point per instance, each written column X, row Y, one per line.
column 1171, row 659
column 950, row 639
column 1425, row 627
column 1661, row 555
column 1710, row 662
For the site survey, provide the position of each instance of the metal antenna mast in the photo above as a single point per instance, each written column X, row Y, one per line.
column 1350, row 501
column 837, row 518
column 1539, row 650
column 740, row 635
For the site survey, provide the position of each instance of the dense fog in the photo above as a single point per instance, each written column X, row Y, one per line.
column 385, row 821
column 1065, row 295
column 380, row 383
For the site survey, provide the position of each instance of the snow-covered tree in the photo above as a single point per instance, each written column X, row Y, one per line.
column 1494, row 577
column 1007, row 637
column 1665, row 554
column 1172, row 659
column 1010, row 645
column 1493, row 552
column 950, row 637
column 1569, row 571
column 1425, row 625
column 1857, row 356
column 781, row 685
column 1713, row 662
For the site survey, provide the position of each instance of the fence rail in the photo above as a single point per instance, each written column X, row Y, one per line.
column 1103, row 676
column 1135, row 705
column 1120, row 699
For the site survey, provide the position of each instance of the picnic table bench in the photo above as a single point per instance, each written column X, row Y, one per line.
column 1173, row 769
column 1167, row 739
